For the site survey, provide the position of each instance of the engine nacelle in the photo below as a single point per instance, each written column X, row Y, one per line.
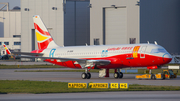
column 153, row 67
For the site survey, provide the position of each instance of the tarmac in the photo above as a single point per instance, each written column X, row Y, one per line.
column 10, row 74
column 2, row 62
column 97, row 96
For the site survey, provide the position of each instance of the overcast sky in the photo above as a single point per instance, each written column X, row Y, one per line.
column 12, row 3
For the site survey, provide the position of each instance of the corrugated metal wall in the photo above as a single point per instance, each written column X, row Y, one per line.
column 115, row 26
column 160, row 21
column 77, row 23
column 98, row 21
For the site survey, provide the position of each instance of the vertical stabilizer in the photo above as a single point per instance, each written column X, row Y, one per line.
column 7, row 50
column 44, row 39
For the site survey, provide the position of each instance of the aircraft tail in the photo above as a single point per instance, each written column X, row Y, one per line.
column 7, row 50
column 44, row 39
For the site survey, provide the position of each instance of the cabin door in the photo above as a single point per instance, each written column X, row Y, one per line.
column 142, row 52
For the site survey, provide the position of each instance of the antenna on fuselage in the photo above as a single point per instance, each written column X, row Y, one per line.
column 155, row 43
column 86, row 44
column 148, row 42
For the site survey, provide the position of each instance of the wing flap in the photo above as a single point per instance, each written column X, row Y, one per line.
column 83, row 62
column 58, row 58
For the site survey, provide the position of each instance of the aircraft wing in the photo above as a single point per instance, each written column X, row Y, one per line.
column 83, row 62
column 27, row 53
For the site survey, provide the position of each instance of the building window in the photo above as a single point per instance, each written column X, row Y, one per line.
column 0, row 43
column 15, row 36
column 26, row 9
column 6, row 43
column 96, row 41
column 54, row 8
column 132, row 40
column 17, row 43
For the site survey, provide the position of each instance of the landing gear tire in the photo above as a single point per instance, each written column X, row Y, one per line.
column 88, row 75
column 163, row 77
column 83, row 75
column 120, row 75
column 153, row 77
column 116, row 75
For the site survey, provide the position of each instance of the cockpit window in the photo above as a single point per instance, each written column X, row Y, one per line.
column 159, row 50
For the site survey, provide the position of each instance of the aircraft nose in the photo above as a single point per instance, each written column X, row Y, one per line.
column 167, row 57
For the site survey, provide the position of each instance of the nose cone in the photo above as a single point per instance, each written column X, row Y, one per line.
column 167, row 58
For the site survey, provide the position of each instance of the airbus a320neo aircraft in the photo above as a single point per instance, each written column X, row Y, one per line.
column 97, row 56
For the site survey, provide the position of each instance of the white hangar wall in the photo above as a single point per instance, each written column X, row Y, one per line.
column 10, row 23
column 114, row 22
column 51, row 12
column 10, row 29
column 67, row 21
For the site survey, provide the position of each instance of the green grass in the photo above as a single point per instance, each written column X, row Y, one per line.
column 39, row 87
column 171, row 64
column 28, row 66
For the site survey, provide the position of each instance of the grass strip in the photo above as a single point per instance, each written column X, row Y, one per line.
column 39, row 87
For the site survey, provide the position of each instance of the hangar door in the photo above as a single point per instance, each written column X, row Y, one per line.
column 116, row 26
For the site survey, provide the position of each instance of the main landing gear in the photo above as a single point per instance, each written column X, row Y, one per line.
column 86, row 75
column 118, row 74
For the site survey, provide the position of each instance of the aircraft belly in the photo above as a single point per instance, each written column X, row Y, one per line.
column 117, row 61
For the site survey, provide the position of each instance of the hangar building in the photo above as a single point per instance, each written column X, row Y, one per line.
column 76, row 22
column 114, row 21
column 160, row 21
column 66, row 20
column 134, row 21
column 10, row 28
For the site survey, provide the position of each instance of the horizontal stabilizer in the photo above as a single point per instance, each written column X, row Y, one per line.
column 27, row 53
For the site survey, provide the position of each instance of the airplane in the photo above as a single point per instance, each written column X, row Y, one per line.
column 6, row 49
column 96, row 56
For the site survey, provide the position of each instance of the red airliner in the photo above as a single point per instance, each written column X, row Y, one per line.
column 96, row 56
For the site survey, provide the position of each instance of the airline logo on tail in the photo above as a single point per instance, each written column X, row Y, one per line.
column 7, row 50
column 42, row 34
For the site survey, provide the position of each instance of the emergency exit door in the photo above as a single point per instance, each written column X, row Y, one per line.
column 142, row 52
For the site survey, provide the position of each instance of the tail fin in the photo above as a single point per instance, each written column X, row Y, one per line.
column 7, row 50
column 44, row 38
